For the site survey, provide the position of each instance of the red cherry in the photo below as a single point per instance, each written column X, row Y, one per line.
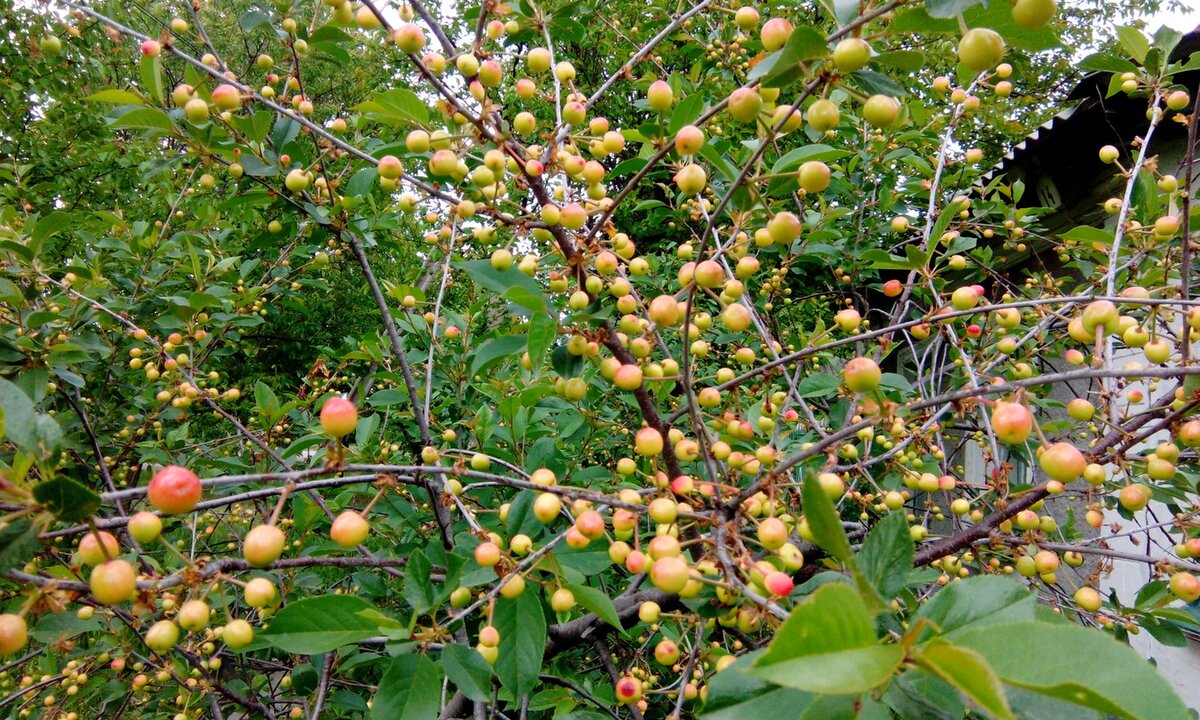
column 339, row 417
column 629, row 690
column 174, row 490
column 779, row 584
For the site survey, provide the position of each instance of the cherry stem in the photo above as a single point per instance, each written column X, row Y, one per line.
column 374, row 500
column 91, row 522
column 283, row 496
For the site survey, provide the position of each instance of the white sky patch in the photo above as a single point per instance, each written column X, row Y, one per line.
column 1181, row 20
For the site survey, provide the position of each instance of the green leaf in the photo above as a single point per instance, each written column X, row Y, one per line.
column 996, row 15
column 597, row 602
column 920, row 694
column 1106, row 62
column 846, row 10
column 826, row 526
column 686, row 112
column 150, row 70
column 522, row 630
column 969, row 672
column 1166, row 633
column 525, row 298
column 948, row 8
column 794, row 158
column 1076, row 664
column 113, row 96
column 828, row 646
column 252, row 19
column 469, row 672
column 735, row 694
column 56, row 627
column 886, row 557
column 499, row 281
column 782, row 67
column 496, row 349
column 564, row 363
column 907, row 60
column 976, row 602
column 18, row 543
column 144, row 118
column 1088, row 234
column 265, row 400
column 18, row 416
column 418, row 589
column 542, row 330
column 1165, row 40
column 1032, row 706
column 1134, row 42
column 817, row 385
column 67, row 499
column 878, row 84
column 398, row 106
column 883, row 260
column 409, row 690
column 320, row 624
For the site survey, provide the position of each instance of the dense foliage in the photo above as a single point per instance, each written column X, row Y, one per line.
column 585, row 360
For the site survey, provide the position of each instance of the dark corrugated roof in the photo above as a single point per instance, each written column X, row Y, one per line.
column 1115, row 120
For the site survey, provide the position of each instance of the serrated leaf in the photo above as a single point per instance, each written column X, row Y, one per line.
column 522, row 630
column 886, row 557
column 144, row 118
column 977, row 602
column 596, row 602
column 523, row 297
column 67, row 499
column 878, row 84
column 150, row 70
column 564, row 363
column 967, row 671
column 824, row 522
column 265, row 400
column 114, row 96
column 418, row 589
column 18, row 543
column 319, row 624
column 409, row 690
column 783, row 66
column 826, row 526
column 56, row 627
column 1134, row 42
column 495, row 350
column 920, row 694
column 542, row 331
column 1106, row 62
column 252, row 19
column 735, row 694
column 816, row 151
column 18, row 416
column 395, row 106
column 469, row 672
column 828, row 646
column 499, row 281
column 1131, row 688
column 686, row 112
column 818, row 385
column 846, row 10
column 948, row 8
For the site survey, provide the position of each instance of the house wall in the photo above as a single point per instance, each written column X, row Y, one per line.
column 1180, row 665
